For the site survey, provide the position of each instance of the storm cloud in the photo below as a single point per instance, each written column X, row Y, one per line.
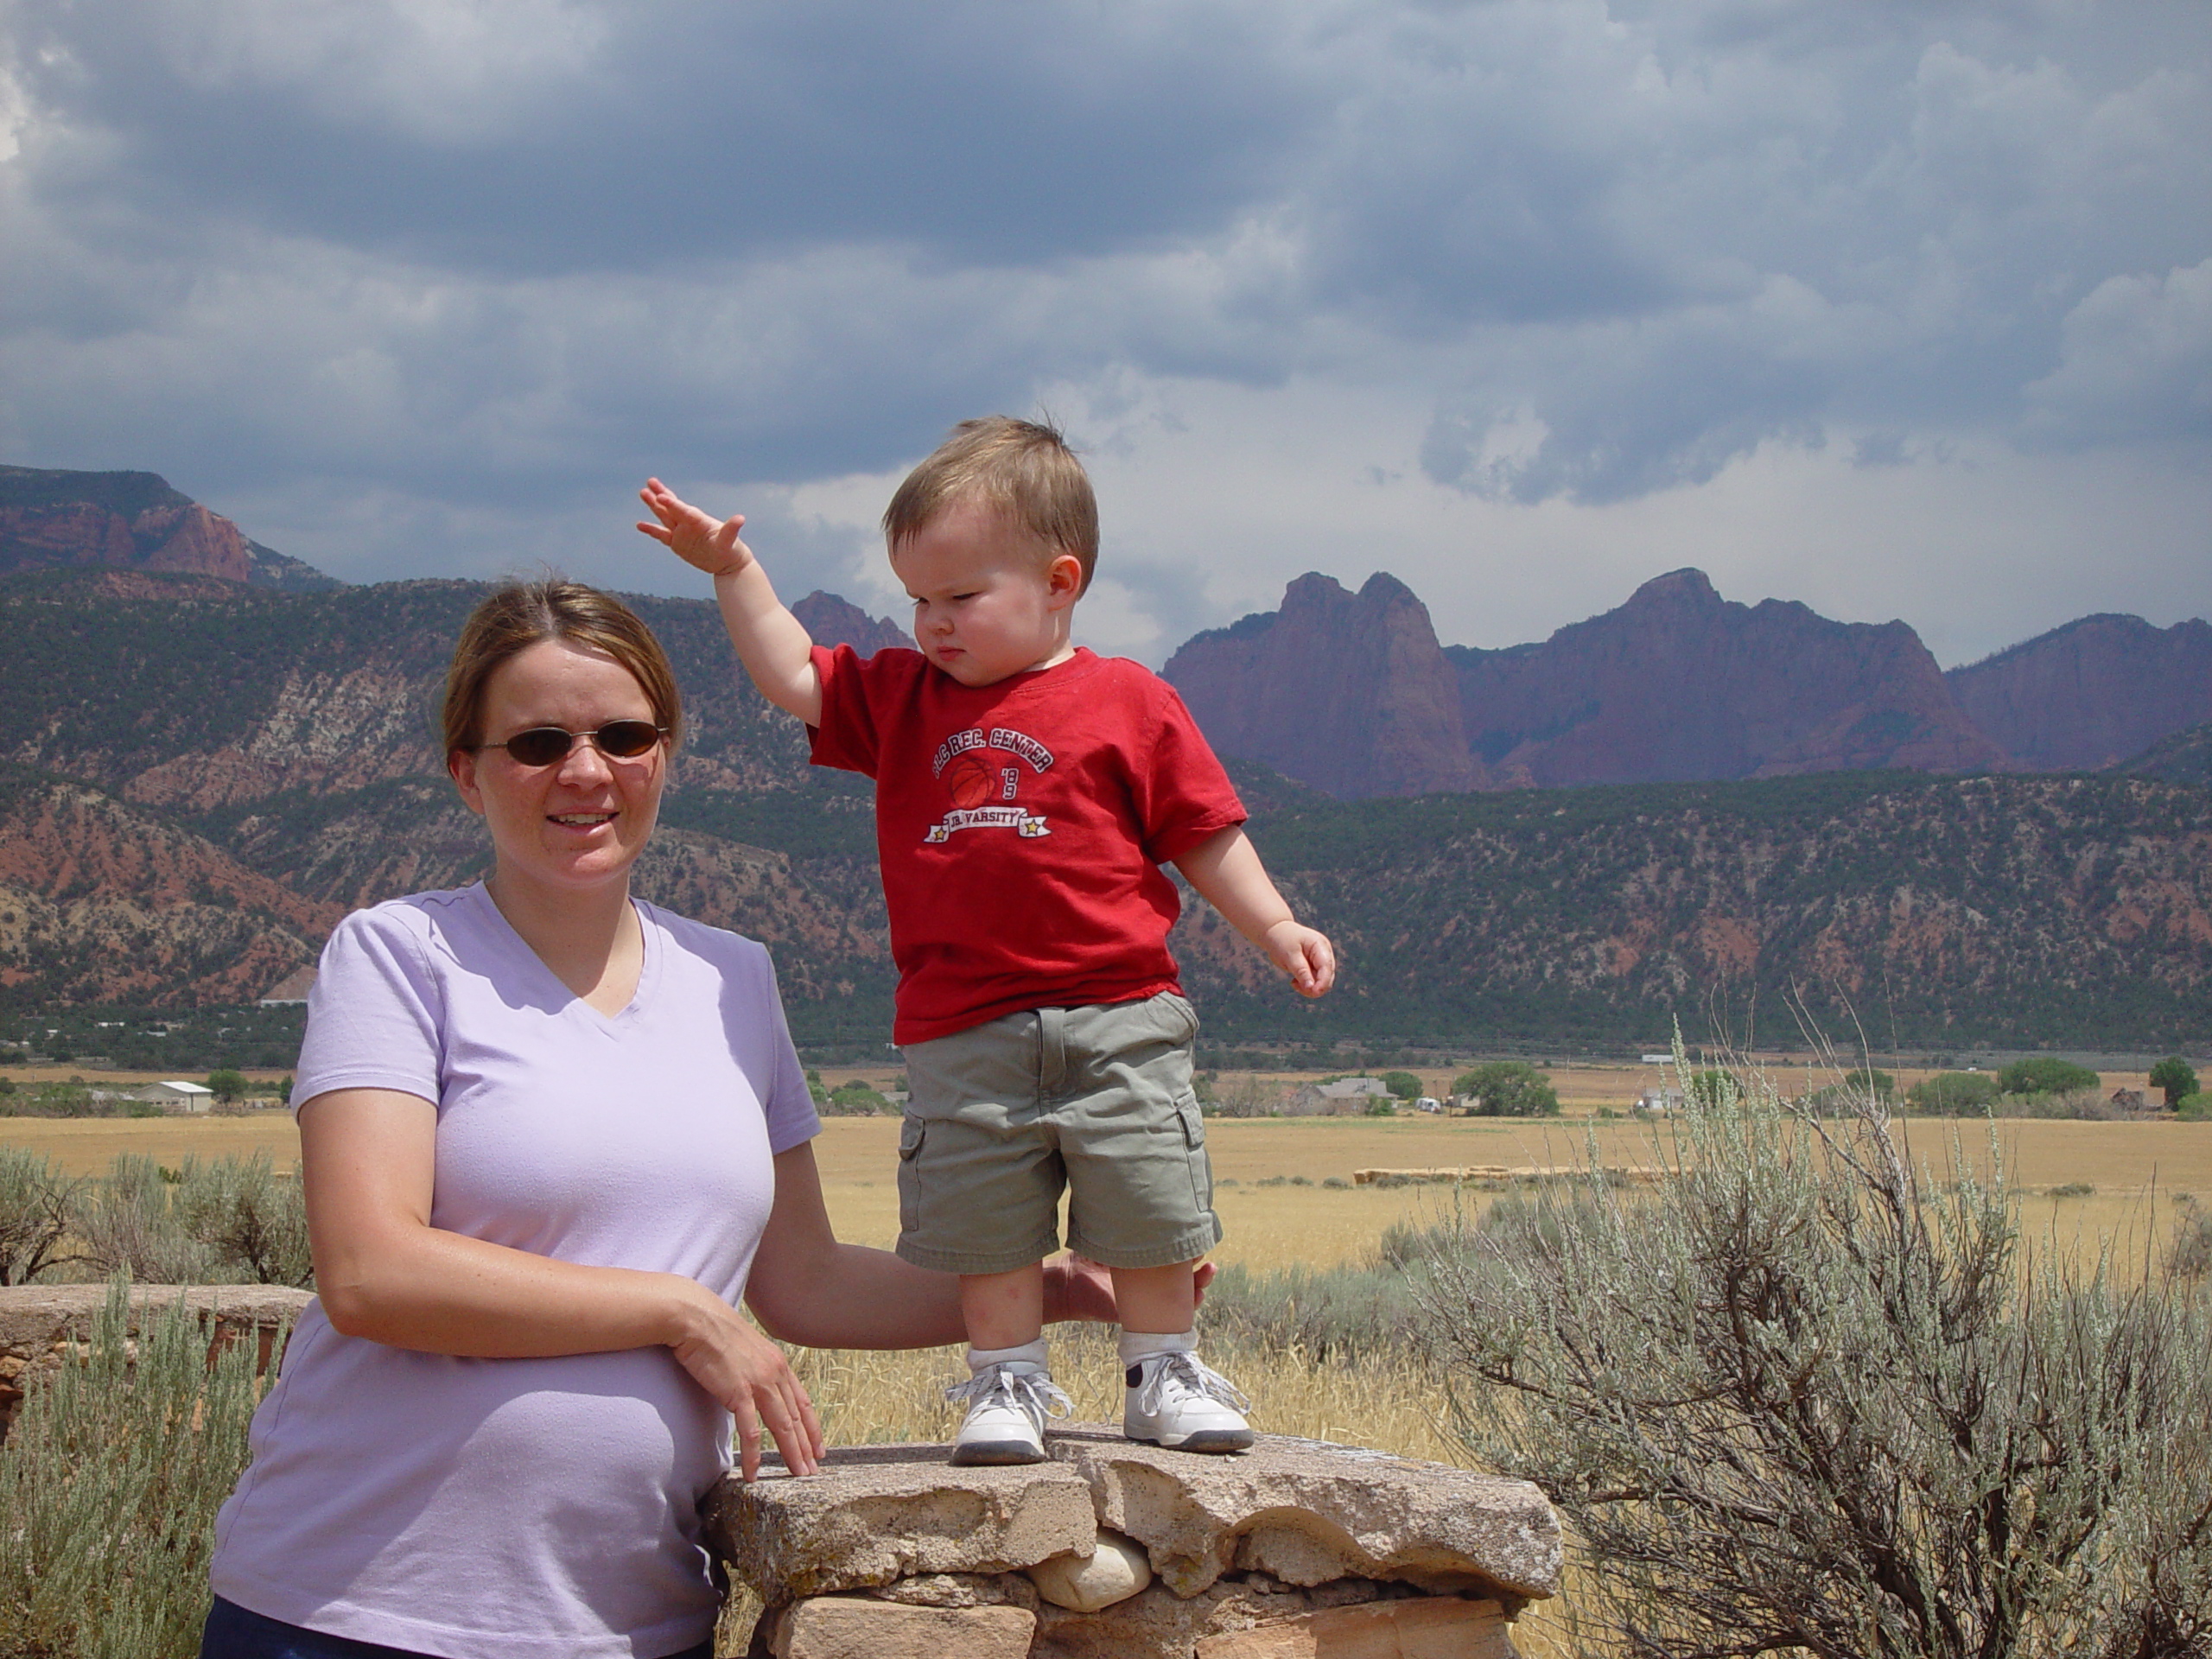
column 1900, row 310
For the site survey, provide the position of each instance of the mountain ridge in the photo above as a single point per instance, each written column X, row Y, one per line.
column 53, row 518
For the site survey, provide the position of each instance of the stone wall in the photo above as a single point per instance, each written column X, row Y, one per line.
column 40, row 1324
column 1297, row 1549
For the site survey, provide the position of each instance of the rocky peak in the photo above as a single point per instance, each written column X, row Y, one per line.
column 1679, row 685
column 1687, row 588
column 1344, row 691
column 1348, row 692
column 2092, row 693
column 835, row 621
column 53, row 518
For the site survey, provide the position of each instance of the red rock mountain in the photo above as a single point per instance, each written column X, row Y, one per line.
column 101, row 901
column 2091, row 694
column 1348, row 692
column 1681, row 685
column 54, row 519
column 1351, row 693
column 835, row 621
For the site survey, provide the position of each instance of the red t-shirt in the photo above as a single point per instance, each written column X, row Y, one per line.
column 1021, row 827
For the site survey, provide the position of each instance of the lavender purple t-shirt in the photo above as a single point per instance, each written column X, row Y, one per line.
column 491, row 1509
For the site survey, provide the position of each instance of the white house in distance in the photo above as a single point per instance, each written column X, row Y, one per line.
column 179, row 1095
column 291, row 991
column 1346, row 1097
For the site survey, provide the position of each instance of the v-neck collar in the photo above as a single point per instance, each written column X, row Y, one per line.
column 648, row 968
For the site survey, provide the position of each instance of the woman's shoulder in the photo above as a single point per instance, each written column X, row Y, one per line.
column 718, row 945
column 415, row 915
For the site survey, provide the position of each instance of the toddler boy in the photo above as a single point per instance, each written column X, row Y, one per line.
column 1027, row 792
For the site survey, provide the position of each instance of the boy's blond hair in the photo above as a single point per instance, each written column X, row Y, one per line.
column 1023, row 468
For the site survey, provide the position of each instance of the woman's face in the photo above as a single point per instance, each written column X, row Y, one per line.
column 583, row 820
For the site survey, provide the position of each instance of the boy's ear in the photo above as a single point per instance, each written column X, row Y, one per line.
column 1064, row 580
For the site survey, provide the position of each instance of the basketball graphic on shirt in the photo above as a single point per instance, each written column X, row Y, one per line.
column 970, row 781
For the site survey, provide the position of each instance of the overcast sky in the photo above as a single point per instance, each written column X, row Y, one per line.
column 1904, row 310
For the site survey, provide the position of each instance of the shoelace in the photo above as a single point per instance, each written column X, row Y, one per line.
column 1033, row 1392
column 1190, row 1375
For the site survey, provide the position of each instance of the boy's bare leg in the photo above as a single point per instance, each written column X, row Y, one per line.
column 1155, row 1301
column 1006, row 1309
column 1171, row 1397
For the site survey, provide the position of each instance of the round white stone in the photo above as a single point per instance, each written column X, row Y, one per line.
column 1117, row 1569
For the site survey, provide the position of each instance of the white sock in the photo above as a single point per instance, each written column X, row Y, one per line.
column 1031, row 1353
column 1137, row 1345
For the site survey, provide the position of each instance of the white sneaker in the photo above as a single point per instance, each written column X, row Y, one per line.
column 1176, row 1399
column 1008, row 1404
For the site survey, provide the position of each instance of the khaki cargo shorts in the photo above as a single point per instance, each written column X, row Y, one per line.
column 1097, row 1100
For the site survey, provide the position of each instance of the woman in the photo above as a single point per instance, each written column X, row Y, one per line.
column 549, row 1135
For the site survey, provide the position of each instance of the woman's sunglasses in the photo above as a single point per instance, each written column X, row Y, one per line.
column 618, row 739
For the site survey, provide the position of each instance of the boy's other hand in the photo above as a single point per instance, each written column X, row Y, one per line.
column 1306, row 954
column 700, row 540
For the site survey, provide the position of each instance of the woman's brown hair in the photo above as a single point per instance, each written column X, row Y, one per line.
column 518, row 616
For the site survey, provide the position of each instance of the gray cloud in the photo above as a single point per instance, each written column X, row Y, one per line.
column 429, row 279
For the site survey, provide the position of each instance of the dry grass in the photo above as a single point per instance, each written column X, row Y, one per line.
column 89, row 1146
column 1387, row 1404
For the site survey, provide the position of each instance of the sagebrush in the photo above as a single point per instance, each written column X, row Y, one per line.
column 109, row 1484
column 1801, row 1396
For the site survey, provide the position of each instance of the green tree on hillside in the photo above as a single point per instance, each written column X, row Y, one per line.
column 2175, row 1077
column 1508, row 1089
column 2046, row 1074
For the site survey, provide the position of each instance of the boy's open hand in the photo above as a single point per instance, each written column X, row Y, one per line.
column 707, row 543
column 1306, row 954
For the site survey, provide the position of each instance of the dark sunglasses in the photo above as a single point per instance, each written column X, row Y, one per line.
column 618, row 739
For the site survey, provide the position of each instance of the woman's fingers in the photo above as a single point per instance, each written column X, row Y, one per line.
column 788, row 1415
column 748, row 1374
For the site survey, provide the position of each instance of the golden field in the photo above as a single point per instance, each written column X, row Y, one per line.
column 2134, row 1169
column 1268, row 1226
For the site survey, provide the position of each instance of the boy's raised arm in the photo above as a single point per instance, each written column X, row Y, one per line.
column 1227, row 872
column 772, row 643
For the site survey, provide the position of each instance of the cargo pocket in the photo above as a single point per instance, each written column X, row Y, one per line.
column 1194, row 1144
column 910, row 1178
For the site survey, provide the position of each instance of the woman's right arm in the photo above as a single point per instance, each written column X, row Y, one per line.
column 368, row 1163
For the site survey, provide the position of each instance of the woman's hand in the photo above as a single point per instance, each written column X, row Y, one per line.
column 749, row 1375
column 1075, row 1287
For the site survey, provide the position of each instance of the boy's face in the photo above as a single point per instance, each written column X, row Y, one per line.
column 988, row 602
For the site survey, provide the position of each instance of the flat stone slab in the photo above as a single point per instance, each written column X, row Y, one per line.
column 836, row 1629
column 1308, row 1512
column 1311, row 1511
column 875, row 1513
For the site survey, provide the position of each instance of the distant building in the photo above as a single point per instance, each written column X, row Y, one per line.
column 1346, row 1097
column 1657, row 1059
column 179, row 1095
column 1660, row 1100
column 291, row 991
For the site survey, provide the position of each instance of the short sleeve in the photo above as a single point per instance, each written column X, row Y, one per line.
column 1184, row 795
column 785, row 1102
column 376, row 1013
column 847, row 738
